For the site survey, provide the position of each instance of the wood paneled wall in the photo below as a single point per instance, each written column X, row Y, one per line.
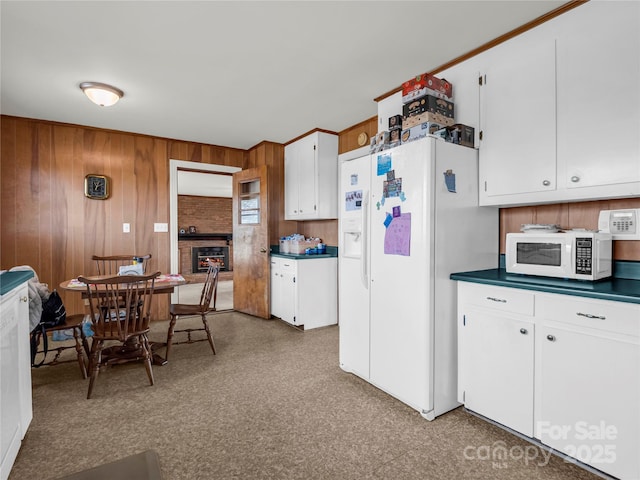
column 272, row 155
column 348, row 138
column 48, row 223
column 570, row 215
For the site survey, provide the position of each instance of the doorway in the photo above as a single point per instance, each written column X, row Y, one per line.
column 191, row 293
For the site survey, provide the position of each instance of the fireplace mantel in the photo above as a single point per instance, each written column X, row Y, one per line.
column 206, row 236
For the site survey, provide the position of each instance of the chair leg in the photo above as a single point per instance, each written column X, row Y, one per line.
column 94, row 363
column 147, row 358
column 209, row 337
column 172, row 324
column 83, row 368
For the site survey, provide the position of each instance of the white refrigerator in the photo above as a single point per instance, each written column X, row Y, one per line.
column 408, row 218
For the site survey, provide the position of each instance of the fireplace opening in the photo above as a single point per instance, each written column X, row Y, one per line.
column 199, row 255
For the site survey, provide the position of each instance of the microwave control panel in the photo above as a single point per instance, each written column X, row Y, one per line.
column 584, row 255
column 621, row 224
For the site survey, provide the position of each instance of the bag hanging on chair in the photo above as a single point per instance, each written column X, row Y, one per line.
column 53, row 314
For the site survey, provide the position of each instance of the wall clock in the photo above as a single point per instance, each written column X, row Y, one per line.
column 96, row 186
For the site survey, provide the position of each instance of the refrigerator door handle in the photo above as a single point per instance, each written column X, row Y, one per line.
column 365, row 237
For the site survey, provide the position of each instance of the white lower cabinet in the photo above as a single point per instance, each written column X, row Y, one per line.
column 304, row 292
column 496, row 345
column 588, row 386
column 283, row 289
column 560, row 369
column 15, row 375
column 498, row 389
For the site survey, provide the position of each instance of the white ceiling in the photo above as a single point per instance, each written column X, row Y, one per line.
column 233, row 73
column 204, row 184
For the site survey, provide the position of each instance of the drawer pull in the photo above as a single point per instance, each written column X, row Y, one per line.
column 551, row 338
column 494, row 299
column 24, row 299
column 588, row 315
column 524, row 331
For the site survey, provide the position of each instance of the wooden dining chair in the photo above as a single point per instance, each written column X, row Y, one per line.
column 206, row 306
column 110, row 265
column 42, row 347
column 120, row 309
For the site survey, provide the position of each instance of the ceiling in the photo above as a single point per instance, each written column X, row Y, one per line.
column 233, row 73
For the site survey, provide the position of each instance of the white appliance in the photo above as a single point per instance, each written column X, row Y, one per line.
column 621, row 224
column 575, row 254
column 408, row 218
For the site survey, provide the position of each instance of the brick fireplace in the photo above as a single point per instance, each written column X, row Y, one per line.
column 199, row 256
column 210, row 216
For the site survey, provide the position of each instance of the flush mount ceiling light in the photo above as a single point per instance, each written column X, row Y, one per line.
column 101, row 93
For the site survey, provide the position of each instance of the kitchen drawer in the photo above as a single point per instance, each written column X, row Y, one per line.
column 497, row 298
column 614, row 317
column 287, row 265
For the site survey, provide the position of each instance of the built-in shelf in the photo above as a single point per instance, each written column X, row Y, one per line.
column 206, row 236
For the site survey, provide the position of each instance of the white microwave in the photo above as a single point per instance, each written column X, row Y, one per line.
column 576, row 254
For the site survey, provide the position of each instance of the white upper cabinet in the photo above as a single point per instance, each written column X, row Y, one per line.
column 517, row 118
column 599, row 97
column 311, row 177
column 388, row 107
column 559, row 111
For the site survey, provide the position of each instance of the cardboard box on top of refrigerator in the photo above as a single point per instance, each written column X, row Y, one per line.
column 463, row 134
column 426, row 84
column 430, row 117
column 459, row 134
column 380, row 141
column 419, row 131
column 428, row 103
column 395, row 122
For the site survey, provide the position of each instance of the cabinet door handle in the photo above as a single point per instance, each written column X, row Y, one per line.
column 588, row 315
column 551, row 338
column 524, row 331
column 494, row 299
column 575, row 179
column 546, row 183
column 24, row 299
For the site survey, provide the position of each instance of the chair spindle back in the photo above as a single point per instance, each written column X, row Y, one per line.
column 120, row 305
column 110, row 265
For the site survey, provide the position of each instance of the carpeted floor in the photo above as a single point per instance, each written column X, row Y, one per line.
column 190, row 293
column 272, row 404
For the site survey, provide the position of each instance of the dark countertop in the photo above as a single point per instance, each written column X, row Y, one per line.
column 295, row 256
column 332, row 252
column 10, row 280
column 615, row 289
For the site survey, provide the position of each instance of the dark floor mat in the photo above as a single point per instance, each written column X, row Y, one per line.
column 142, row 466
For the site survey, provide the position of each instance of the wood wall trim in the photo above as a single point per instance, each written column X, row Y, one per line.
column 363, row 124
column 498, row 40
column 262, row 143
column 120, row 132
column 309, row 133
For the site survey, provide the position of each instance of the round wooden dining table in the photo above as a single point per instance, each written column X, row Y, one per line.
column 164, row 284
